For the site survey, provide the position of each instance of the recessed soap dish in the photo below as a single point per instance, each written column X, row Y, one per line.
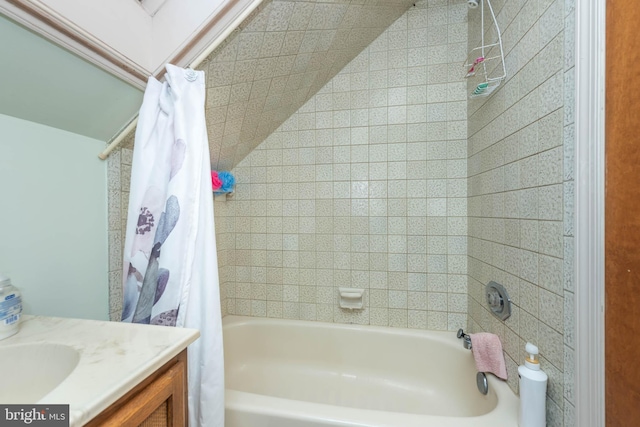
column 351, row 298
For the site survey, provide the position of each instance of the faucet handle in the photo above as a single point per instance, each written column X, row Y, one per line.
column 466, row 339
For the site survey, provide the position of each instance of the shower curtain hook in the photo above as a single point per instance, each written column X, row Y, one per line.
column 190, row 75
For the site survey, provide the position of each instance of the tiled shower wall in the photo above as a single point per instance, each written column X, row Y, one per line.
column 521, row 193
column 364, row 186
column 278, row 58
column 118, row 180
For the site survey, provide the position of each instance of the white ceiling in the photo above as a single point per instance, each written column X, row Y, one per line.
column 151, row 6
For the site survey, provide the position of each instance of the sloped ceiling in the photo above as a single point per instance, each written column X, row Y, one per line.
column 46, row 84
column 277, row 60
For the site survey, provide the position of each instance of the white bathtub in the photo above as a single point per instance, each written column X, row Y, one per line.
column 284, row 373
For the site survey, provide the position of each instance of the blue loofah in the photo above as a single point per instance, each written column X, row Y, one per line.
column 228, row 181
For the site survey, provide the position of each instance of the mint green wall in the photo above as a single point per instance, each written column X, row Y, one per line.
column 45, row 83
column 53, row 219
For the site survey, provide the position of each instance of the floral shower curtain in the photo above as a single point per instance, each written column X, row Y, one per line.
column 170, row 265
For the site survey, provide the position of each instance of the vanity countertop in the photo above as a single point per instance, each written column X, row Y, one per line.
column 114, row 358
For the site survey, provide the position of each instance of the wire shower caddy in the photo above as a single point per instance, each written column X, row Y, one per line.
column 486, row 62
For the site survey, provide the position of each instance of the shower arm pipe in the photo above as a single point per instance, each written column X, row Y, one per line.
column 117, row 140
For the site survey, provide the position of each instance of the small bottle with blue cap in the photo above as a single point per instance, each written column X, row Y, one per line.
column 10, row 308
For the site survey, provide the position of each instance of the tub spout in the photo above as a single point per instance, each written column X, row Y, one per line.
column 466, row 339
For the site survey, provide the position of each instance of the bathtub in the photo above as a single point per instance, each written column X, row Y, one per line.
column 287, row 373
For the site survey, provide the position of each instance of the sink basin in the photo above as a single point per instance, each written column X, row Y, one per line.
column 31, row 371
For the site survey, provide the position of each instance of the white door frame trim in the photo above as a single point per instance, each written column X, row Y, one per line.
column 590, row 38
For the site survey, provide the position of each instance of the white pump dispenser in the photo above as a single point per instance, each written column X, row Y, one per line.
column 10, row 308
column 533, row 391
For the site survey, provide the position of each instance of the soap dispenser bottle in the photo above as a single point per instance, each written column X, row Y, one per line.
column 533, row 390
column 10, row 308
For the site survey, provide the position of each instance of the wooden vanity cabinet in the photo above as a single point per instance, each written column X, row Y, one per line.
column 158, row 401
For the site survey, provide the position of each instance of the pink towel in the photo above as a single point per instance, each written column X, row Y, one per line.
column 487, row 351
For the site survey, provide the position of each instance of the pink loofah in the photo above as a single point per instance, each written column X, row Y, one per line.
column 215, row 181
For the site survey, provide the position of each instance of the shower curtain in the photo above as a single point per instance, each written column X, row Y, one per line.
column 170, row 270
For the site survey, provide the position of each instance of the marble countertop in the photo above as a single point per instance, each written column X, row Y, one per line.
column 114, row 358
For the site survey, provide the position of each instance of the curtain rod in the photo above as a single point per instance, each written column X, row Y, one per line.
column 117, row 140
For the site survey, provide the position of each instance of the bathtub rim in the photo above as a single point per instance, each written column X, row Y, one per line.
column 448, row 337
column 504, row 413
